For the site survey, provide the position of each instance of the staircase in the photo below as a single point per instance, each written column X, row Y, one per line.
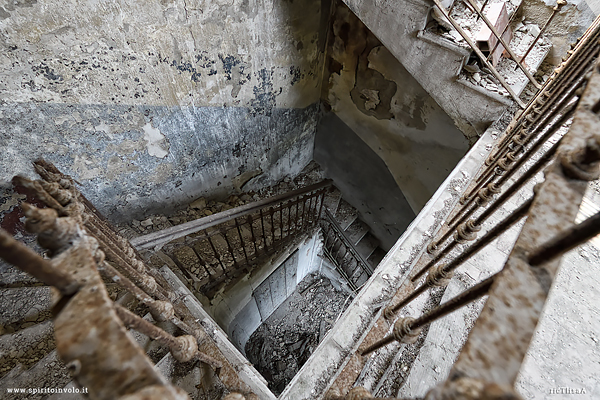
column 29, row 359
column 435, row 61
column 209, row 255
column 348, row 241
column 214, row 252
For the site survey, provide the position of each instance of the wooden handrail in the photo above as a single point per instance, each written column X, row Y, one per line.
column 164, row 236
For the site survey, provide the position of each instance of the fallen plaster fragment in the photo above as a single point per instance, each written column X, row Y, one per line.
column 156, row 141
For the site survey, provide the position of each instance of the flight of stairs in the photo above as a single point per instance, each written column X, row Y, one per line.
column 357, row 233
column 433, row 60
column 193, row 258
column 28, row 358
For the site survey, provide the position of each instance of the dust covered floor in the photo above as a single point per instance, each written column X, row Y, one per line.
column 285, row 341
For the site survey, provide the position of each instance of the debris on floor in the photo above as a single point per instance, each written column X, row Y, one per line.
column 284, row 342
column 524, row 33
column 203, row 207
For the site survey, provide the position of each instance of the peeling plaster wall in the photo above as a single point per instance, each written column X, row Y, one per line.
column 374, row 95
column 149, row 104
column 570, row 23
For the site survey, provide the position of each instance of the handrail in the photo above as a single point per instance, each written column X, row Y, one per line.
column 167, row 235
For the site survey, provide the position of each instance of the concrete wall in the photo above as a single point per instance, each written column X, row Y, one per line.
column 570, row 23
column 148, row 103
column 244, row 307
column 374, row 95
column 354, row 166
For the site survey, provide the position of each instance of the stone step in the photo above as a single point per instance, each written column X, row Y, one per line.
column 376, row 257
column 356, row 231
column 49, row 372
column 332, row 200
column 346, row 214
column 23, row 307
column 368, row 244
column 26, row 347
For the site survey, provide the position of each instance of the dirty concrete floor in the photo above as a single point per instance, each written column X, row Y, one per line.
column 285, row 341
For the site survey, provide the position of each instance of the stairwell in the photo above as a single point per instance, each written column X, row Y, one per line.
column 191, row 259
column 436, row 59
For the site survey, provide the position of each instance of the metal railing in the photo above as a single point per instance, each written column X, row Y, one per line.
column 488, row 363
column 91, row 340
column 229, row 243
column 339, row 249
column 471, row 6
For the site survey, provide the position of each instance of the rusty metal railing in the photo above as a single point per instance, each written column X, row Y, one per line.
column 230, row 243
column 499, row 40
column 347, row 259
column 489, row 363
column 90, row 330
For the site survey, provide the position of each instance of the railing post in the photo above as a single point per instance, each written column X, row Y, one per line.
column 249, row 222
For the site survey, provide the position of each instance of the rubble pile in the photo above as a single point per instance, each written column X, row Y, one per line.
column 524, row 33
column 203, row 207
column 285, row 341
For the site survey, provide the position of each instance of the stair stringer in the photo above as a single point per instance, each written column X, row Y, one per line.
column 432, row 60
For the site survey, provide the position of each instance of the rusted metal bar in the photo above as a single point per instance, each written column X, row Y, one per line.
column 40, row 194
column 243, row 244
column 293, row 222
column 281, row 222
column 485, row 3
column 561, row 79
column 321, row 205
column 552, row 108
column 564, row 106
column 116, row 252
column 215, row 252
column 339, row 233
column 302, row 219
column 493, row 233
column 146, row 282
column 310, row 220
column 555, row 10
column 411, row 325
column 271, row 212
column 164, row 236
column 504, row 44
column 565, row 241
column 444, row 270
column 479, row 54
column 511, row 190
column 262, row 227
column 230, row 250
column 160, row 310
column 184, row 348
column 98, row 352
column 249, row 222
column 509, row 167
column 28, row 261
column 518, row 294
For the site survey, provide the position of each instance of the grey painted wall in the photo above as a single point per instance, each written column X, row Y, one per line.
column 134, row 160
column 353, row 165
column 151, row 103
